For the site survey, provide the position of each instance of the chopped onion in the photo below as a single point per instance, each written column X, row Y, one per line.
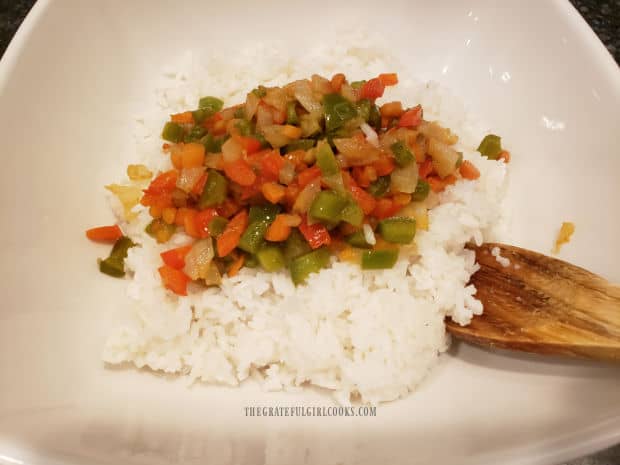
column 189, row 177
column 369, row 235
column 276, row 97
column 436, row 131
column 264, row 117
column 229, row 113
column 275, row 135
column 306, row 196
column 128, row 196
column 320, row 84
column 198, row 259
column 303, row 93
column 231, row 150
column 356, row 151
column 287, row 173
column 405, row 179
column 213, row 277
column 371, row 135
column 444, row 157
column 251, row 105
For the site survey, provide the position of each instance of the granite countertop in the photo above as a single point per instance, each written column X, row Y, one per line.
column 602, row 16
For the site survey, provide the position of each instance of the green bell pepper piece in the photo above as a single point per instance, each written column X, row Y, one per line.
column 491, row 146
column 114, row 264
column 352, row 214
column 240, row 112
column 244, row 127
column 357, row 84
column 422, row 189
column 270, row 257
column 195, row 134
column 295, row 246
column 253, row 237
column 338, row 110
column 265, row 212
column 211, row 105
column 312, row 262
column 212, row 144
column 300, row 144
column 363, row 109
column 250, row 261
column 260, row 91
column 215, row 190
column 379, row 259
column 172, row 132
column 402, row 154
column 291, row 114
column 400, row 230
column 327, row 206
column 379, row 187
column 326, row 160
column 217, row 225
column 357, row 239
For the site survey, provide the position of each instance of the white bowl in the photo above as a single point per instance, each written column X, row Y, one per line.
column 69, row 83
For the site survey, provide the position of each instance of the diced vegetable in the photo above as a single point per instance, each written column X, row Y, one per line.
column 358, row 239
column 379, row 259
column 353, row 214
column 372, row 89
column 444, row 157
column 397, row 230
column 198, row 259
column 468, row 170
column 338, row 111
column 279, row 230
column 421, row 190
column 114, row 264
column 411, row 118
column 326, row 160
column 270, row 257
column 299, row 144
column 301, row 267
column 265, row 212
column 229, row 239
column 291, row 113
column 175, row 258
column 379, row 187
column 172, row 132
column 295, row 246
column 402, row 154
column 254, row 236
column 174, row 280
column 491, row 146
column 160, row 230
column 217, row 225
column 404, row 179
column 215, row 190
column 211, row 105
column 328, row 206
column 105, row 233
column 316, row 234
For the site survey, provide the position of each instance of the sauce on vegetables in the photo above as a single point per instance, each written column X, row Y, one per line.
column 292, row 176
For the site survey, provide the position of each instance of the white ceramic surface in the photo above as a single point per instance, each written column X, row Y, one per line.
column 68, row 86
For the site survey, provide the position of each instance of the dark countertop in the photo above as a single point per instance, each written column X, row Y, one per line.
column 602, row 16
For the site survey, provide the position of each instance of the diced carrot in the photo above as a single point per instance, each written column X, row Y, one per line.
column 279, row 230
column 388, row 79
column 250, row 144
column 363, row 198
column 192, row 155
column 372, row 89
column 179, row 219
column 202, row 220
column 189, row 223
column 426, row 168
column 200, row 184
column 186, row 117
column 174, row 279
column 229, row 239
column 402, row 199
column 176, row 157
column 438, row 184
column 160, row 200
column 296, row 157
column 504, row 155
column 468, row 170
column 316, row 234
column 292, row 132
column 392, row 109
column 364, row 175
column 271, row 164
column 411, row 118
column 155, row 211
column 105, row 233
column 240, row 172
column 273, row 192
column 384, row 166
column 385, row 208
column 169, row 214
column 337, row 81
column 175, row 258
column 219, row 128
column 235, row 266
column 307, row 176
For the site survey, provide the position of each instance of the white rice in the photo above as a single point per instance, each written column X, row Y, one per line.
column 372, row 334
column 505, row 262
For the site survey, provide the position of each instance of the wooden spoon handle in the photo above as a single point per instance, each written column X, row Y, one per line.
column 543, row 305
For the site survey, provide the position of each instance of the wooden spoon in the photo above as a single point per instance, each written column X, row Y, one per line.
column 543, row 305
